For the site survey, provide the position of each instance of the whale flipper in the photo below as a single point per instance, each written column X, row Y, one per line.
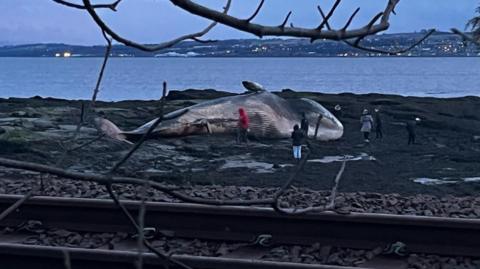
column 253, row 86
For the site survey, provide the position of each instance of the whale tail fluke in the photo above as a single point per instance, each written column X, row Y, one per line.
column 111, row 130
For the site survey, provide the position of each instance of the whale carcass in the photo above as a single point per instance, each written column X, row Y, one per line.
column 271, row 116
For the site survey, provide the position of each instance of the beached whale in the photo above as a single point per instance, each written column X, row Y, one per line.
column 270, row 116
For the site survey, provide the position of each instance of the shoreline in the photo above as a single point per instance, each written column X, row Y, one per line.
column 447, row 148
column 229, row 57
column 212, row 93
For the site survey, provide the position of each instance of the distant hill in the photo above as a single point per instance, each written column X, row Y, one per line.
column 439, row 44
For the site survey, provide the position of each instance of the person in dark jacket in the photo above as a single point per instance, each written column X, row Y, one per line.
column 297, row 139
column 411, row 126
column 304, row 125
column 378, row 124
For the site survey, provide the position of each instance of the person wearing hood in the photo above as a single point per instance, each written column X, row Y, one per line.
column 304, row 124
column 411, row 126
column 243, row 124
column 298, row 137
column 367, row 123
column 378, row 124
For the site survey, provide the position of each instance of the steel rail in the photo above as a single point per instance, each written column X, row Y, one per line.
column 433, row 235
column 20, row 256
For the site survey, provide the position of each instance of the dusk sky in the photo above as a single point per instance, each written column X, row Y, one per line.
column 151, row 21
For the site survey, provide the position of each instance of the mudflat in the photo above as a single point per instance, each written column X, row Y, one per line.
column 445, row 159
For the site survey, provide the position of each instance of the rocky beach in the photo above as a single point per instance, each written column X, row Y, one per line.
column 442, row 166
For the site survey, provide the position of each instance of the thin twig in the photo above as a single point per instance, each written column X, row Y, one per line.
column 350, row 20
column 333, row 194
column 464, row 36
column 330, row 13
column 330, row 206
column 16, row 205
column 107, row 179
column 392, row 52
column 317, row 126
column 84, row 114
column 145, row 135
column 72, row 140
column 370, row 24
column 356, row 43
column 167, row 44
column 66, row 259
column 141, row 226
column 285, row 20
column 100, row 136
column 137, row 227
column 102, row 69
column 290, row 180
column 112, row 6
column 257, row 10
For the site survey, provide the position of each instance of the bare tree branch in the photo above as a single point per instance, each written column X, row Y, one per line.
column 108, row 179
column 112, row 6
column 246, row 25
column 372, row 21
column 105, row 28
column 356, row 43
column 101, row 179
column 263, row 30
column 465, row 37
column 391, row 52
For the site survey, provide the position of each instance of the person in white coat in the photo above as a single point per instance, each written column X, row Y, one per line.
column 367, row 123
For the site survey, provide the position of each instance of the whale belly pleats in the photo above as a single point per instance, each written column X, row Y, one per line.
column 263, row 125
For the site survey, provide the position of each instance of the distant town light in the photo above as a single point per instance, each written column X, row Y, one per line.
column 58, row 54
column 67, row 54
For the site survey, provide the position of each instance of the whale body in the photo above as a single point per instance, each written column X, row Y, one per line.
column 271, row 116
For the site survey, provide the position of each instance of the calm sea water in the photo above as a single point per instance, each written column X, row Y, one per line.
column 141, row 78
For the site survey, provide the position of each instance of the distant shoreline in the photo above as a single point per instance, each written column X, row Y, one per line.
column 438, row 45
column 233, row 57
column 212, row 93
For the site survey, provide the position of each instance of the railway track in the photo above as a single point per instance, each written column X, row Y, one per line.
column 27, row 257
column 433, row 235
